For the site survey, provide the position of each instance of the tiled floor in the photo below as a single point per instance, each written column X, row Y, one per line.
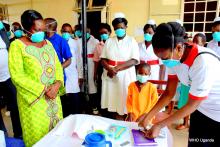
column 179, row 137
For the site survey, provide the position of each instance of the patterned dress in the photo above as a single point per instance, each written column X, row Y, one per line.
column 31, row 70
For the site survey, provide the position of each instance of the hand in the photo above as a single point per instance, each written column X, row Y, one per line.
column 140, row 118
column 130, row 117
column 153, row 132
column 143, row 121
column 80, row 82
column 52, row 90
column 111, row 72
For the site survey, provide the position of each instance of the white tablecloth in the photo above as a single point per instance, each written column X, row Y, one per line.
column 63, row 134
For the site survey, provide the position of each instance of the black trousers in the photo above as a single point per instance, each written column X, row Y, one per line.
column 203, row 131
column 71, row 104
column 8, row 91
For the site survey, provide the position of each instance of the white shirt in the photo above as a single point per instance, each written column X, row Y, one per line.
column 213, row 45
column 91, row 44
column 147, row 55
column 114, row 90
column 4, row 71
column 72, row 85
column 202, row 75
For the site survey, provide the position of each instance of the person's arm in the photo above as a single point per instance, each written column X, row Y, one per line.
column 126, row 65
column 163, row 101
column 96, row 64
column 130, row 116
column 111, row 70
column 18, row 74
column 66, row 63
column 190, row 107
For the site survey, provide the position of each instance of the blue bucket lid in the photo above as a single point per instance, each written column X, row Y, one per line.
column 95, row 138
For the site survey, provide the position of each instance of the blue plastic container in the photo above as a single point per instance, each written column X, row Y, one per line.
column 96, row 140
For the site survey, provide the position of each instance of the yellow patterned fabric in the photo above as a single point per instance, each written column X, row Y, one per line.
column 32, row 69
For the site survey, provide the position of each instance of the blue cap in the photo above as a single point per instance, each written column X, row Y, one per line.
column 95, row 139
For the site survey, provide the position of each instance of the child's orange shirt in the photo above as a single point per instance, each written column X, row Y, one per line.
column 141, row 102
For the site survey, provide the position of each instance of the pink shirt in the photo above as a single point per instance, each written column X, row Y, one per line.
column 98, row 51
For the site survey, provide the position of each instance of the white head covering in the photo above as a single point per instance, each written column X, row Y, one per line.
column 179, row 21
column 119, row 15
column 151, row 22
column 217, row 19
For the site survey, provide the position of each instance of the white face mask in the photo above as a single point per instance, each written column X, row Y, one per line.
column 143, row 78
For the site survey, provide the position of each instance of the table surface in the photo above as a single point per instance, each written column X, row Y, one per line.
column 63, row 134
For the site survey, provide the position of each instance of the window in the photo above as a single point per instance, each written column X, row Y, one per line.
column 3, row 12
column 198, row 16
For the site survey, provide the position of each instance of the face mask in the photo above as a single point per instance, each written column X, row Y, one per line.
column 216, row 36
column 78, row 33
column 18, row 33
column 148, row 37
column 37, row 37
column 87, row 35
column 9, row 34
column 170, row 63
column 1, row 25
column 104, row 37
column 120, row 32
column 142, row 79
column 66, row 36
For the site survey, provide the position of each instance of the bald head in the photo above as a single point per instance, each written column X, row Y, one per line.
column 51, row 24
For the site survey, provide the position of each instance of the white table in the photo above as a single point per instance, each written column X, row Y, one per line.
column 63, row 134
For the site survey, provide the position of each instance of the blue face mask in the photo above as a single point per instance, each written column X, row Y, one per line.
column 8, row 34
column 1, row 25
column 37, row 37
column 87, row 35
column 142, row 78
column 120, row 32
column 18, row 33
column 66, row 36
column 148, row 37
column 216, row 36
column 104, row 37
column 78, row 33
column 170, row 63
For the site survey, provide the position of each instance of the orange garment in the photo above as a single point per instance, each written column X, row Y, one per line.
column 140, row 102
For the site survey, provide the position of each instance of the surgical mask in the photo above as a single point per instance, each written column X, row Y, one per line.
column 216, row 36
column 78, row 33
column 8, row 34
column 66, row 36
column 87, row 35
column 104, row 37
column 120, row 32
column 37, row 37
column 143, row 78
column 18, row 33
column 1, row 25
column 148, row 37
column 170, row 63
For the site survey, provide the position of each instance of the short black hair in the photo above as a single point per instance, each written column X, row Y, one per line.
column 215, row 23
column 168, row 35
column 78, row 27
column 16, row 25
column 28, row 18
column 150, row 26
column 51, row 23
column 105, row 26
column 200, row 35
column 119, row 20
column 66, row 25
column 144, row 65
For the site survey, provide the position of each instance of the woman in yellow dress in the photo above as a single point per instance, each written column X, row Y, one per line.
column 38, row 76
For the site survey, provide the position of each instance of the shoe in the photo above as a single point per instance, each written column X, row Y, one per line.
column 95, row 111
